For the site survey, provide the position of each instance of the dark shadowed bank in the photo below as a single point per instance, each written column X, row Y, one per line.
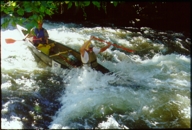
column 174, row 16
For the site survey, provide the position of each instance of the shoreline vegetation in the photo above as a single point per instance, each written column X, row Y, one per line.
column 174, row 16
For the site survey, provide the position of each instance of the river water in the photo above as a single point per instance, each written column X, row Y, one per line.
column 153, row 90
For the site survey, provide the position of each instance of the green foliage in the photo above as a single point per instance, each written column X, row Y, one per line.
column 114, row 3
column 35, row 10
column 69, row 5
column 5, row 22
column 83, row 5
column 20, row 11
column 97, row 4
column 86, row 3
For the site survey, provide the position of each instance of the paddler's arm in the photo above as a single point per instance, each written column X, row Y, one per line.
column 46, row 36
column 46, row 40
column 83, row 47
column 105, row 48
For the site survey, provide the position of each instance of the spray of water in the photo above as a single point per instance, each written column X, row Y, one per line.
column 148, row 89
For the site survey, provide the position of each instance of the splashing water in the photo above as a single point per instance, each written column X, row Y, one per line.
column 150, row 88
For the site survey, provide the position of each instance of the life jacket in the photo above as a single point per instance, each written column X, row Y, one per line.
column 92, row 59
column 45, row 48
column 39, row 34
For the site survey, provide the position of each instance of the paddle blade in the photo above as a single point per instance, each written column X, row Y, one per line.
column 9, row 41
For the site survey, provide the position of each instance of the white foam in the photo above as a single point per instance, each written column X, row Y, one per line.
column 111, row 123
column 162, row 80
column 12, row 124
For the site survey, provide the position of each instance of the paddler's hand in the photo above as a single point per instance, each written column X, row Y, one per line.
column 109, row 43
column 92, row 37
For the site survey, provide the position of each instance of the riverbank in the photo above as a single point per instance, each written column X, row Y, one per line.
column 174, row 16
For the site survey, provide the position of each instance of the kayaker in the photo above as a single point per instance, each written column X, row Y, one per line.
column 88, row 53
column 39, row 34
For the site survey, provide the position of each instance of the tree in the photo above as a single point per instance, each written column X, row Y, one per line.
column 35, row 10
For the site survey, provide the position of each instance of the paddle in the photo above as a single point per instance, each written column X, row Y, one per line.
column 59, row 53
column 115, row 45
column 11, row 41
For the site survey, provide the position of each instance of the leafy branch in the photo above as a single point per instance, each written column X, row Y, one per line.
column 36, row 10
